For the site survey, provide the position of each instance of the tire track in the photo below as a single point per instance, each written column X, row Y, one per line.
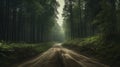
column 58, row 56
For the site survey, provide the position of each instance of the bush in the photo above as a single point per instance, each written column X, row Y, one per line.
column 106, row 52
column 18, row 52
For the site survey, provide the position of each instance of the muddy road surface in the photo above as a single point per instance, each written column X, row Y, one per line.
column 58, row 56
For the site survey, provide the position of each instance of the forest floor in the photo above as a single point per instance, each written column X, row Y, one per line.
column 58, row 56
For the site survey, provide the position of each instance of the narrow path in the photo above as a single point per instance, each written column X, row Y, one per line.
column 58, row 56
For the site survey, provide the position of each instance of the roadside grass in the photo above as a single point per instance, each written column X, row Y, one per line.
column 13, row 53
column 108, row 53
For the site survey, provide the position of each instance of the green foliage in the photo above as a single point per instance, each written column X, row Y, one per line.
column 14, row 53
column 84, row 44
column 99, row 17
column 106, row 20
column 106, row 52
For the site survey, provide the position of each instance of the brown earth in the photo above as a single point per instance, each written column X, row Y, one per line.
column 57, row 56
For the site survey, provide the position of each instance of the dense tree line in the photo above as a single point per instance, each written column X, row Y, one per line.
column 94, row 29
column 27, row 20
column 34, row 20
column 107, row 20
column 84, row 18
column 78, row 17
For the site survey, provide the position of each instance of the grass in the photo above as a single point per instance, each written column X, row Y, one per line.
column 106, row 52
column 13, row 53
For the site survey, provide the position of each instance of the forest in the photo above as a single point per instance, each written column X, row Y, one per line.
column 28, row 28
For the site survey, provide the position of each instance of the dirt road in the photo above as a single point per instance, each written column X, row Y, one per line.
column 58, row 56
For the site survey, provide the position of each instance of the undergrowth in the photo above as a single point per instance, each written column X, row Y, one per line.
column 106, row 52
column 13, row 53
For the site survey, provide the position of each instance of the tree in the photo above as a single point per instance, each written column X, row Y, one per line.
column 27, row 20
column 106, row 20
column 78, row 17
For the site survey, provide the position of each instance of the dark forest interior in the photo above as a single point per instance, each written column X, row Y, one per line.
column 30, row 27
